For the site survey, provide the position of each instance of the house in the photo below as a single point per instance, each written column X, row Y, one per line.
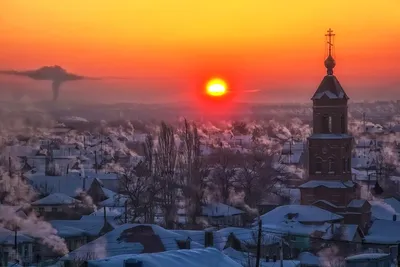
column 383, row 232
column 179, row 258
column 247, row 259
column 56, row 206
column 219, row 214
column 77, row 233
column 240, row 239
column 108, row 180
column 385, row 209
column 24, row 251
column 301, row 224
column 306, row 214
column 70, row 185
column 130, row 239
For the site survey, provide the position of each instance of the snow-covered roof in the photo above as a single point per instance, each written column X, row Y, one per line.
column 246, row 259
column 356, row 203
column 367, row 256
column 294, row 228
column 331, row 88
column 382, row 210
column 330, row 136
column 55, row 199
column 328, row 184
column 115, row 201
column 179, row 258
column 130, row 239
column 308, row 258
column 7, row 237
column 299, row 213
column 247, row 236
column 347, row 231
column 69, row 185
column 110, row 211
column 90, row 227
column 101, row 175
column 384, row 232
column 219, row 210
column 394, row 203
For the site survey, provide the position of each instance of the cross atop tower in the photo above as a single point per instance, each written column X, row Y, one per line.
column 330, row 36
column 330, row 61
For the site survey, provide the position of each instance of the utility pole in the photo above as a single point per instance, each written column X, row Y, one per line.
column 15, row 239
column 365, row 129
column 9, row 166
column 95, row 161
column 281, row 252
column 259, row 242
column 126, row 211
column 290, row 149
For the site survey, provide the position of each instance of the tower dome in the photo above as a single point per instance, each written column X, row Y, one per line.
column 330, row 63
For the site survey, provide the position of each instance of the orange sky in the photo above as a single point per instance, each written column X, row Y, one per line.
column 170, row 46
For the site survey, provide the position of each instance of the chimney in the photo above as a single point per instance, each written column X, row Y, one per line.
column 208, row 239
column 394, row 217
column 187, row 245
column 84, row 183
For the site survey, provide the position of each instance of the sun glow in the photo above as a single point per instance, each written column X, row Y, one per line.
column 216, row 87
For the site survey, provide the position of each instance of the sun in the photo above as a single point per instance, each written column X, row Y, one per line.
column 216, row 87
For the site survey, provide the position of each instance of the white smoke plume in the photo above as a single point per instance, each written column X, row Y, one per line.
column 86, row 200
column 237, row 199
column 329, row 257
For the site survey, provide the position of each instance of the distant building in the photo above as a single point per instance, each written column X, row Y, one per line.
column 330, row 184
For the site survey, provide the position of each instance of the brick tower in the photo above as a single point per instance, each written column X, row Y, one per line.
column 330, row 184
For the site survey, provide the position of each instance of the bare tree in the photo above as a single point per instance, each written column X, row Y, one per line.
column 195, row 183
column 136, row 185
column 222, row 174
column 165, row 173
column 258, row 178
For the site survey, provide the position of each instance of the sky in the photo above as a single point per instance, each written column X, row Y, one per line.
column 169, row 48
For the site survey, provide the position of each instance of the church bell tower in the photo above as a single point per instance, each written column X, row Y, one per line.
column 330, row 145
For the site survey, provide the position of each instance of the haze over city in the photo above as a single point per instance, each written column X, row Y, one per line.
column 199, row 133
column 170, row 48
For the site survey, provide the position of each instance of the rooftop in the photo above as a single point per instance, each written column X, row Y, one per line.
column 331, row 88
column 56, row 199
column 327, row 184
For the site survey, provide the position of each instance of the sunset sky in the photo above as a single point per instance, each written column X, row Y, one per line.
column 171, row 47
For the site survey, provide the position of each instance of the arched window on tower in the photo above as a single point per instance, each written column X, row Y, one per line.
column 331, row 165
column 343, row 124
column 330, row 124
column 325, row 124
column 345, row 165
column 318, row 165
column 348, row 165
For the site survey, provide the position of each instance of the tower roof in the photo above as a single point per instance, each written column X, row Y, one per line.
column 331, row 88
